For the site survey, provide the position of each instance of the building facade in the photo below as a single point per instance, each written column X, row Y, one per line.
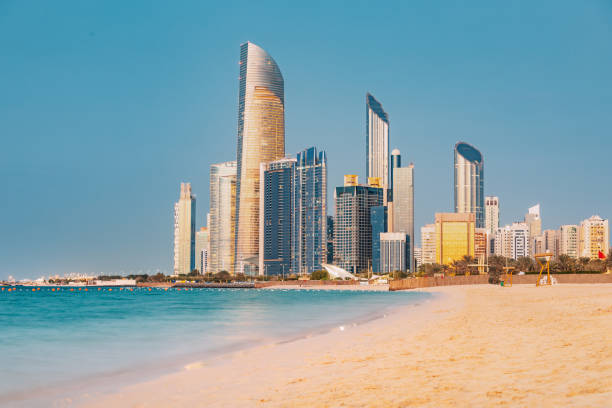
column 533, row 220
column 261, row 139
column 428, row 244
column 275, row 216
column 202, row 250
column 393, row 252
column 377, row 141
column 594, row 237
column 222, row 216
column 512, row 241
column 551, row 242
column 352, row 225
column 568, row 240
column 309, row 235
column 491, row 221
column 378, row 219
column 403, row 206
column 454, row 236
column 184, row 231
column 469, row 182
column 330, row 239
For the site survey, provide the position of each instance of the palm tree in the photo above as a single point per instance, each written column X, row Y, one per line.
column 525, row 264
column 566, row 263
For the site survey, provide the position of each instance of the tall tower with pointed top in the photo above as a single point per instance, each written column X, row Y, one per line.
column 261, row 139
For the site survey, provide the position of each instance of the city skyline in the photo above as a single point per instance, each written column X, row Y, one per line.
column 418, row 131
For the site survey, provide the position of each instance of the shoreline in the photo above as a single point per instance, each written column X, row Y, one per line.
column 481, row 345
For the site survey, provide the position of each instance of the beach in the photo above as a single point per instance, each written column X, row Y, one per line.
column 481, row 345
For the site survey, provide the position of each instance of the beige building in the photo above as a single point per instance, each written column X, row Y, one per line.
column 261, row 139
column 454, row 236
column 533, row 220
column 428, row 244
column 480, row 244
column 202, row 250
column 184, row 231
column 568, row 240
column 222, row 216
column 594, row 236
column 551, row 242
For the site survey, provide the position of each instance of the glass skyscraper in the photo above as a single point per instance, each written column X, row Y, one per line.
column 222, row 216
column 352, row 224
column 261, row 139
column 378, row 219
column 309, row 212
column 469, row 182
column 275, row 241
column 403, row 207
column 377, row 141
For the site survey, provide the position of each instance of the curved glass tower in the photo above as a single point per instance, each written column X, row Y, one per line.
column 377, row 141
column 469, row 182
column 261, row 139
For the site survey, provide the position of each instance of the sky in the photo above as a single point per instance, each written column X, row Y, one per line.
column 106, row 106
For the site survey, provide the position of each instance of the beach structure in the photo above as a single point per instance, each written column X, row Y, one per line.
column 337, row 272
column 261, row 139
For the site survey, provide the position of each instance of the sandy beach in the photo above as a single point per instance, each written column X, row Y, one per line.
column 477, row 346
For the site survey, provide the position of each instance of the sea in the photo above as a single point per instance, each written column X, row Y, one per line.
column 55, row 344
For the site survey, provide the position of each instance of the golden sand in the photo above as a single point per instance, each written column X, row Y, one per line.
column 476, row 346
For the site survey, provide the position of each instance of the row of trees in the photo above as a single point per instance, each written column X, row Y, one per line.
column 496, row 264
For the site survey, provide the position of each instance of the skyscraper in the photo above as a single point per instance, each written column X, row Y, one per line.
column 403, row 206
column 261, row 139
column 276, row 205
column 532, row 218
column 469, row 182
column 568, row 240
column 184, row 231
column 377, row 141
column 378, row 219
column 454, row 236
column 594, row 237
column 222, row 216
column 551, row 242
column 352, row 224
column 309, row 236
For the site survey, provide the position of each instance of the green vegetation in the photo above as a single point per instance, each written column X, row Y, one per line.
column 319, row 275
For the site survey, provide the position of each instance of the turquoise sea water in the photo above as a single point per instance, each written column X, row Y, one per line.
column 52, row 341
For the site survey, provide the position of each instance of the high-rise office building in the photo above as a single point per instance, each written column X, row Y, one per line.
column 261, row 139
column 491, row 215
column 480, row 244
column 454, row 236
column 330, row 239
column 469, row 182
column 276, row 206
column 403, row 206
column 568, row 240
column 202, row 250
column 428, row 244
column 222, row 216
column 309, row 242
column 512, row 241
column 533, row 220
column 352, row 224
column 184, row 231
column 594, row 237
column 393, row 252
column 551, row 242
column 379, row 221
column 377, row 141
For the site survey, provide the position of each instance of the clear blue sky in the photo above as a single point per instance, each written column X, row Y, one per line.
column 105, row 107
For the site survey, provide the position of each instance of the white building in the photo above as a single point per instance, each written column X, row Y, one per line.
column 184, row 231
column 568, row 240
column 428, row 244
column 393, row 252
column 512, row 241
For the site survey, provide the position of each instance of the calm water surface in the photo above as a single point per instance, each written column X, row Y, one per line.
column 52, row 339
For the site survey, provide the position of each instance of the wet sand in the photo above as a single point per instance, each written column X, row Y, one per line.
column 477, row 346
